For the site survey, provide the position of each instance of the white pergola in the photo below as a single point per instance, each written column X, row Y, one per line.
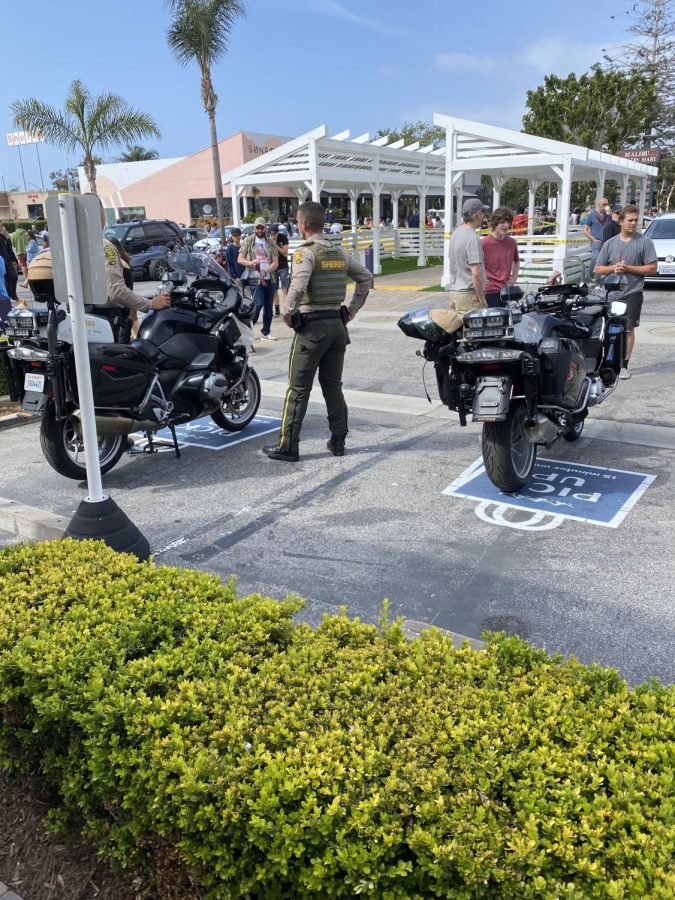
column 316, row 162
column 503, row 154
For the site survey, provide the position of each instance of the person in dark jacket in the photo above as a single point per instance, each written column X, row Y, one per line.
column 11, row 263
column 612, row 228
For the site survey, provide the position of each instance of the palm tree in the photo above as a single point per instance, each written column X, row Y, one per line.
column 199, row 33
column 86, row 122
column 136, row 153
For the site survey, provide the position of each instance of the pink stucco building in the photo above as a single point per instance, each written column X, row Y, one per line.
column 181, row 188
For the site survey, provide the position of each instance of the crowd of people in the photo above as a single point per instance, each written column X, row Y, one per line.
column 481, row 268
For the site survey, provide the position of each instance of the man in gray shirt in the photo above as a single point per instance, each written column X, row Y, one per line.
column 632, row 255
column 467, row 288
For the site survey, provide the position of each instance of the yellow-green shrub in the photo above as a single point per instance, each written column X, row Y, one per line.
column 282, row 761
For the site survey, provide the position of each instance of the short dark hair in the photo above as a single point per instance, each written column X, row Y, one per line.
column 629, row 210
column 313, row 215
column 501, row 214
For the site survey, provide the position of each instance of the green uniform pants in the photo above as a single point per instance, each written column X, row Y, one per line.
column 320, row 345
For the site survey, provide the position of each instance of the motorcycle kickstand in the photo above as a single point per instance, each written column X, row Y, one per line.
column 149, row 447
column 176, row 448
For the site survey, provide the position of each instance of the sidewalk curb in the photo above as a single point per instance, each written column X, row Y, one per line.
column 30, row 523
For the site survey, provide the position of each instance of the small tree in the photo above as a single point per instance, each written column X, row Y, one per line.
column 417, row 131
column 199, row 33
column 136, row 153
column 599, row 110
column 85, row 123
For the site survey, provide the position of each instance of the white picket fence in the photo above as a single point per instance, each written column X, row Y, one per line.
column 537, row 252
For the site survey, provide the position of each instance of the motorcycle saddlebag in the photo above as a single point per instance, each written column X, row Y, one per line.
column 563, row 368
column 120, row 375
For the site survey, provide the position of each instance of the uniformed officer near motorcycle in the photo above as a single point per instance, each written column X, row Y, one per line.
column 122, row 299
column 315, row 308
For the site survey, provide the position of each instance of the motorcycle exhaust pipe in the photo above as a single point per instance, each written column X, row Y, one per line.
column 111, row 425
column 541, row 431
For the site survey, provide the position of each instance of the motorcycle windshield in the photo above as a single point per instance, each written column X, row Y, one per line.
column 197, row 263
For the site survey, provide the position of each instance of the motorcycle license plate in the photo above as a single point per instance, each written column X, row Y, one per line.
column 666, row 270
column 34, row 383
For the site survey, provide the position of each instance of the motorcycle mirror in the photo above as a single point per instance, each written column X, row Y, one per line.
column 618, row 308
column 510, row 292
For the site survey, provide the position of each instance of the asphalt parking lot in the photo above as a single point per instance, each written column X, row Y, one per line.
column 376, row 523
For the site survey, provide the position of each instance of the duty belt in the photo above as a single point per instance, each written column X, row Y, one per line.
column 322, row 314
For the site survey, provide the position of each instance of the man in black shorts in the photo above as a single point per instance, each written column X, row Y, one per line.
column 633, row 255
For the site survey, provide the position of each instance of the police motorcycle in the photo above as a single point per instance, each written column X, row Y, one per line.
column 529, row 371
column 189, row 360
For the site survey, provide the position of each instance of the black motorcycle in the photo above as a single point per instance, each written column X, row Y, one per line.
column 188, row 361
column 529, row 371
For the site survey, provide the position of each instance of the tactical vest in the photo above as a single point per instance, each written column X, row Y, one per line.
column 328, row 282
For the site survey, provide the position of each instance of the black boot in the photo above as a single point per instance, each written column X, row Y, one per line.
column 276, row 310
column 336, row 444
column 284, row 455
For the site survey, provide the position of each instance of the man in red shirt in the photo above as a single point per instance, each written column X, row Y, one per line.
column 500, row 252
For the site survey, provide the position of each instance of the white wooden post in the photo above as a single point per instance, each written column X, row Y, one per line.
column 563, row 215
column 395, row 197
column 422, row 257
column 599, row 185
column 236, row 215
column 447, row 202
column 624, row 190
column 643, row 201
column 531, row 197
column 497, row 184
column 376, row 188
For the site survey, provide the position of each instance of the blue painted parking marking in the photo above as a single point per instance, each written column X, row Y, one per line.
column 570, row 490
column 206, row 434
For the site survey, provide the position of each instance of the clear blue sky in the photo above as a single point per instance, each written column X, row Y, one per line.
column 295, row 64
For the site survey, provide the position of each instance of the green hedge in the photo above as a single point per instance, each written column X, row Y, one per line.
column 35, row 224
column 279, row 761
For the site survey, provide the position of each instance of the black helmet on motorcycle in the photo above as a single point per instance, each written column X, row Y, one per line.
column 41, row 276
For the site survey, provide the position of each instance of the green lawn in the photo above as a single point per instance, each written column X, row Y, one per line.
column 434, row 287
column 406, row 264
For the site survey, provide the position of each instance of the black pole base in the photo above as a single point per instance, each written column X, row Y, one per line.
column 103, row 520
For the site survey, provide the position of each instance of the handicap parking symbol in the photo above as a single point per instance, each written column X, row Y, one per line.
column 565, row 490
column 206, row 434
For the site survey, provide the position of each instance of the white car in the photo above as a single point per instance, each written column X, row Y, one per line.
column 662, row 232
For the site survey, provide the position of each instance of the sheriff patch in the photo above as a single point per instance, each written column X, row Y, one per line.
column 333, row 264
column 298, row 256
column 110, row 255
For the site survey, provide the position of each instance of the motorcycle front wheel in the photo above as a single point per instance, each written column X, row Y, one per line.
column 508, row 455
column 240, row 408
column 61, row 442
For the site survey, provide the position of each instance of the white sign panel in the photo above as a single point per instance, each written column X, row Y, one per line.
column 16, row 138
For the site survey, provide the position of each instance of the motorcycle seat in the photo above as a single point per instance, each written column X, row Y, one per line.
column 146, row 349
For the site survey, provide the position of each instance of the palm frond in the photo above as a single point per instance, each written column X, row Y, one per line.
column 124, row 128
column 38, row 117
column 201, row 29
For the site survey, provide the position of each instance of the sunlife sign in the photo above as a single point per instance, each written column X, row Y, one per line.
column 562, row 489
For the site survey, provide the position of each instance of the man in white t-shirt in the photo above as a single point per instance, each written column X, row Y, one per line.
column 258, row 252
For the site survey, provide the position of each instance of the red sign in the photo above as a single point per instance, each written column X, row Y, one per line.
column 32, row 196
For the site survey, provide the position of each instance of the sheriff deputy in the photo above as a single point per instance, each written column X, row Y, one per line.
column 121, row 299
column 315, row 308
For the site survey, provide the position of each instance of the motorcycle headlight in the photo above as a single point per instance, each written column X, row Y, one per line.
column 246, row 306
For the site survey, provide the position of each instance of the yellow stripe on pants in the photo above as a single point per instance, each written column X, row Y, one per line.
column 288, row 392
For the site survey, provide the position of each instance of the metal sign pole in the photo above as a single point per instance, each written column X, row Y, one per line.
column 71, row 252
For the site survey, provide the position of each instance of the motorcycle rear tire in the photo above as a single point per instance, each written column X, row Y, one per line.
column 508, row 456
column 231, row 419
column 63, row 451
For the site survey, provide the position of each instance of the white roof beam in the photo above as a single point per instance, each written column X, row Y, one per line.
column 341, row 135
column 380, row 142
column 361, row 139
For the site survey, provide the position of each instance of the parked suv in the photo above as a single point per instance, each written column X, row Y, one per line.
column 146, row 243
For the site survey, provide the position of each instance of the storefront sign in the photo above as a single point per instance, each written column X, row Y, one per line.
column 16, row 138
